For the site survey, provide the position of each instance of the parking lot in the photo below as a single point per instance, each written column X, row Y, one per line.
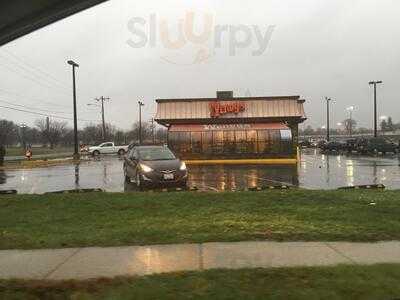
column 315, row 171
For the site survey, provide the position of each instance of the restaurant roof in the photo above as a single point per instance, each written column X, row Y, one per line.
column 260, row 109
column 230, row 99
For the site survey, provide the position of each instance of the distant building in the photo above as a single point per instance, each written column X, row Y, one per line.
column 232, row 128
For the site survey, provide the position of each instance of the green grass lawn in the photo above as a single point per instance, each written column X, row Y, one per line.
column 102, row 219
column 18, row 151
column 341, row 282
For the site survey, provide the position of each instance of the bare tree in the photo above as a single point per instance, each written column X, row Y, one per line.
column 133, row 135
column 350, row 125
column 8, row 133
column 52, row 131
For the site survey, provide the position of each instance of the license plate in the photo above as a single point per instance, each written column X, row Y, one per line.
column 168, row 176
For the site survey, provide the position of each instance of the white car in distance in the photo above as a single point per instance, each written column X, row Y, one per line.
column 107, row 148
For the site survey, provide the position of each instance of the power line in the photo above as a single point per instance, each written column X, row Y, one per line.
column 46, row 115
column 38, row 109
column 44, row 110
column 24, row 62
column 27, row 71
column 32, row 99
column 33, row 79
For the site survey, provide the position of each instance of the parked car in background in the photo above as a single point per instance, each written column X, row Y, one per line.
column 319, row 144
column 351, row 145
column 376, row 145
column 334, row 146
column 305, row 144
column 107, row 148
column 154, row 166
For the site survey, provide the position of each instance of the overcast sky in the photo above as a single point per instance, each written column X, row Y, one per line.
column 316, row 49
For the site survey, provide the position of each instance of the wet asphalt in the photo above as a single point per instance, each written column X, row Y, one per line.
column 315, row 171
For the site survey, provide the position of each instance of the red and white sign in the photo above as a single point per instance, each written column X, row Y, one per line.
column 214, row 127
column 218, row 109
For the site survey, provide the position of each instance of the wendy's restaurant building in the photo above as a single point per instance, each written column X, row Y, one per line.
column 233, row 130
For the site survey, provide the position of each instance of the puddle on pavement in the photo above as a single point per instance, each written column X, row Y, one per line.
column 315, row 171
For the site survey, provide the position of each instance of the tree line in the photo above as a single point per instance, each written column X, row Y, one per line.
column 53, row 133
column 350, row 126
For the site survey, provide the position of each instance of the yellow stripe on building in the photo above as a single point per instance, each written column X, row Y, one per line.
column 269, row 161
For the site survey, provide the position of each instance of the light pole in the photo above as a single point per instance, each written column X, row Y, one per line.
column 375, row 83
column 76, row 151
column 23, row 128
column 140, row 121
column 328, row 100
column 350, row 110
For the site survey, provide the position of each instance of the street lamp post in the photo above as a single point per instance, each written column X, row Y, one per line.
column 350, row 110
column 327, row 119
column 76, row 149
column 375, row 83
column 140, row 121
column 23, row 128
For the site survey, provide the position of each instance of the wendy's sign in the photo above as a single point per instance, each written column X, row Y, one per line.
column 218, row 109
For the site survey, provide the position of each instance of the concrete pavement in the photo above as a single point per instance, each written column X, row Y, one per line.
column 86, row 263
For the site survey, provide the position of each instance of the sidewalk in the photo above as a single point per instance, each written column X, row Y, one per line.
column 39, row 156
column 86, row 263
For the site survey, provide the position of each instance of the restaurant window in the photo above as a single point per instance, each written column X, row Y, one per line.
column 178, row 142
column 218, row 141
column 207, row 140
column 263, row 141
column 241, row 142
column 275, row 141
column 229, row 142
column 286, row 141
column 251, row 141
column 196, row 142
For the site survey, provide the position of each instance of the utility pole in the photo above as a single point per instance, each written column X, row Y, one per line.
column 140, row 121
column 375, row 83
column 153, row 130
column 328, row 100
column 102, row 99
column 76, row 149
column 47, row 129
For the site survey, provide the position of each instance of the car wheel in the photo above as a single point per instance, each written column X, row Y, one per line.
column 121, row 152
column 96, row 153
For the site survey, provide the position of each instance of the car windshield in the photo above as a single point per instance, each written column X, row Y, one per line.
column 156, row 154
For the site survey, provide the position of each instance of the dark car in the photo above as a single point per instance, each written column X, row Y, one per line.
column 351, row 145
column 154, row 166
column 376, row 145
column 305, row 144
column 334, row 146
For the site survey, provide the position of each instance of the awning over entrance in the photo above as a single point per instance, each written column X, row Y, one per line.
column 216, row 127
